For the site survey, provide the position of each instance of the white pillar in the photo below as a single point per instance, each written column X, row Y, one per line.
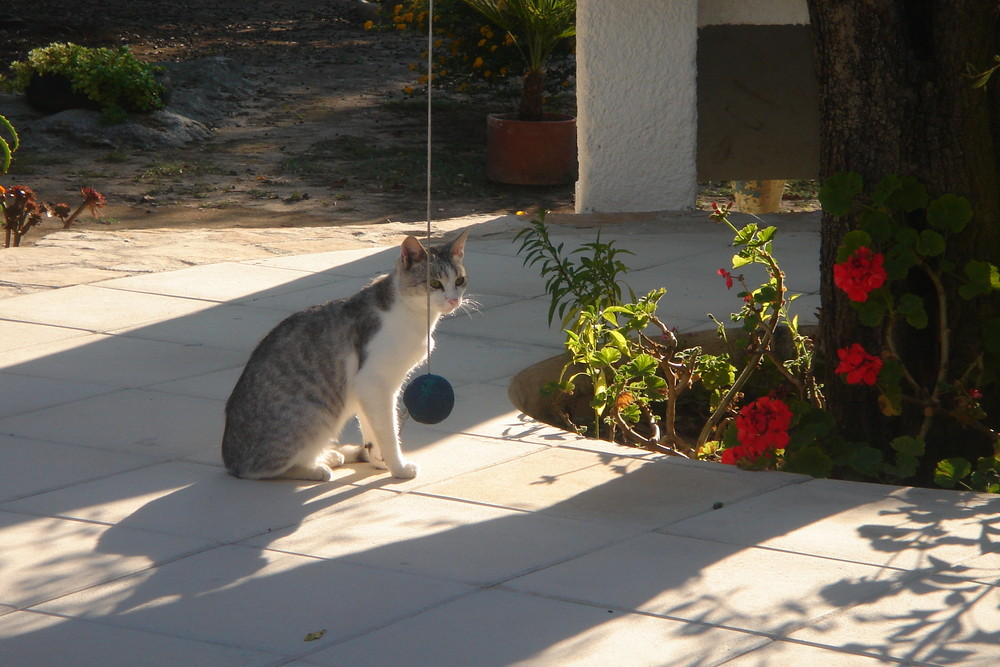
column 636, row 105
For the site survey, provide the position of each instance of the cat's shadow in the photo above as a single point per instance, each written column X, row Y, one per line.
column 218, row 509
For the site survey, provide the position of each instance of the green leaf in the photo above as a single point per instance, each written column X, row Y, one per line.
column 871, row 312
column 851, row 242
column 839, row 191
column 910, row 196
column 609, row 355
column 902, row 194
column 949, row 213
column 885, row 188
column 912, row 308
column 898, row 262
column 906, row 465
column 949, row 472
column 906, row 444
column 744, row 235
column 618, row 339
column 739, row 261
column 643, row 364
column 930, row 243
column 809, row 461
column 767, row 234
column 865, row 460
column 983, row 278
column 879, row 225
column 313, row 636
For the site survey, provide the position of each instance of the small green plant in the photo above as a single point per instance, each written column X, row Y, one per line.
column 9, row 143
column 579, row 279
column 633, row 362
column 112, row 78
column 21, row 209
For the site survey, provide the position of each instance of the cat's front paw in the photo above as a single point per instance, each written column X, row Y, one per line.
column 405, row 471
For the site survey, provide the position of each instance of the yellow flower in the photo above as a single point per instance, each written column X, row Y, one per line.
column 408, row 17
column 493, row 48
column 521, row 213
column 368, row 25
column 503, row 71
column 481, row 42
column 397, row 9
column 408, row 90
column 487, row 74
column 400, row 26
column 478, row 63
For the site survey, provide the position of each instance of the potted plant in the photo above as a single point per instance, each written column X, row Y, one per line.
column 64, row 76
column 531, row 147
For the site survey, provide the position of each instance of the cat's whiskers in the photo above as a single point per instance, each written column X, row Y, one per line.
column 468, row 307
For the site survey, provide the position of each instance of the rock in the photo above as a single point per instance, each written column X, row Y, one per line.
column 157, row 129
column 205, row 92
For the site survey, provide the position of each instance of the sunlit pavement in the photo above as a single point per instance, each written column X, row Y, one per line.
column 124, row 542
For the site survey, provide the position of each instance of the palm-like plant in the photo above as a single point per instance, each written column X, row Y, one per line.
column 537, row 27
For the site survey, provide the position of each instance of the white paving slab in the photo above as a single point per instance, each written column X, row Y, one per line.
column 45, row 558
column 96, row 308
column 23, row 393
column 120, row 361
column 701, row 581
column 28, row 639
column 228, row 281
column 603, row 487
column 257, row 599
column 498, row 628
column 447, row 539
column 940, row 620
column 136, row 421
column 35, row 466
column 867, row 523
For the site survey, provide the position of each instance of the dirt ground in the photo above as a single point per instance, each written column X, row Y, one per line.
column 325, row 137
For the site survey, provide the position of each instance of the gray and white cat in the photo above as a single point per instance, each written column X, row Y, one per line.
column 323, row 365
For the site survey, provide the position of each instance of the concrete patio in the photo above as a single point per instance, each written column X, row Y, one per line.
column 124, row 542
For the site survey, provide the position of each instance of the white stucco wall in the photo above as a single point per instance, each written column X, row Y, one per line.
column 637, row 104
column 637, row 96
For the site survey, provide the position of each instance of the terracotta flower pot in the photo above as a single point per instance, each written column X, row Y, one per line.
column 523, row 152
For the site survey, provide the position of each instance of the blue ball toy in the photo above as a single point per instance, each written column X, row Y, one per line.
column 429, row 399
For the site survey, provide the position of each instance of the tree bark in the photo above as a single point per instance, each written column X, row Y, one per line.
column 894, row 99
column 532, row 95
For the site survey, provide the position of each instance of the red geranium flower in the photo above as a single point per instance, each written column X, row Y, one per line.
column 728, row 276
column 763, row 424
column 858, row 366
column 859, row 274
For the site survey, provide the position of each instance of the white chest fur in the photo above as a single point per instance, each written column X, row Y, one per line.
column 399, row 345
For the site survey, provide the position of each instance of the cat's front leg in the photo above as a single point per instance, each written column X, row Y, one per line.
column 380, row 429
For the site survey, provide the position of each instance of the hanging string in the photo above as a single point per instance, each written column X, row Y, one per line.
column 430, row 86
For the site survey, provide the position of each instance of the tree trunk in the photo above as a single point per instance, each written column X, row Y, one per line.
column 532, row 94
column 894, row 99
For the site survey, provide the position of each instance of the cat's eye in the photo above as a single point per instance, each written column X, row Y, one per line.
column 436, row 284
column 459, row 281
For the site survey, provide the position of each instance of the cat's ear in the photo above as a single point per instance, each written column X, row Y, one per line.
column 457, row 247
column 411, row 252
